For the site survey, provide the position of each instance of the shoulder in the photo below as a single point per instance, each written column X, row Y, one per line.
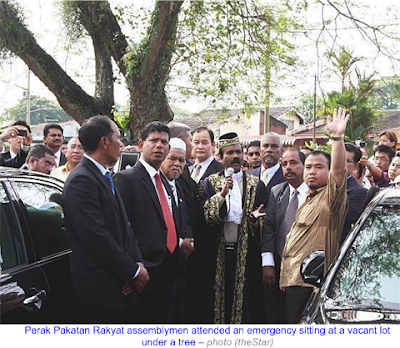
column 280, row 187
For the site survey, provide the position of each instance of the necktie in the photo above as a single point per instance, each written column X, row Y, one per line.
column 169, row 220
column 196, row 172
column 265, row 177
column 288, row 221
column 110, row 181
column 55, row 161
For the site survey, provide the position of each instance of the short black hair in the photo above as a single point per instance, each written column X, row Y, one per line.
column 155, row 126
column 92, row 130
column 47, row 128
column 203, row 128
column 39, row 151
column 385, row 149
column 302, row 156
column 22, row 123
column 354, row 149
column 322, row 153
column 255, row 143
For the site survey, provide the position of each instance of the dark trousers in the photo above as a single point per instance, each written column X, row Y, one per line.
column 296, row 301
column 91, row 316
column 161, row 301
column 275, row 299
column 230, row 271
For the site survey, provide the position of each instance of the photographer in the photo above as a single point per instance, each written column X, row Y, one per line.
column 20, row 139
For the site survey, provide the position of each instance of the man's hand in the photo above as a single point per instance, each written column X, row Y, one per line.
column 337, row 125
column 137, row 284
column 10, row 132
column 28, row 140
column 227, row 185
column 258, row 213
column 268, row 276
column 187, row 248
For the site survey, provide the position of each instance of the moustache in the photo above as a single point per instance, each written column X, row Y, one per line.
column 176, row 168
column 235, row 161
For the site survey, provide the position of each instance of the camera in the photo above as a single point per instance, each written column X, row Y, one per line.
column 362, row 143
column 22, row 132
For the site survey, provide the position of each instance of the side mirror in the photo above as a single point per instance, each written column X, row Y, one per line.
column 312, row 268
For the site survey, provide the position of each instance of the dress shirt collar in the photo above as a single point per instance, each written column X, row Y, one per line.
column 236, row 176
column 102, row 169
column 270, row 171
column 12, row 154
column 302, row 190
column 206, row 162
column 151, row 170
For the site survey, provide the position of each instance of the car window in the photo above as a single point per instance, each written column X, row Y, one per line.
column 369, row 275
column 12, row 251
column 45, row 217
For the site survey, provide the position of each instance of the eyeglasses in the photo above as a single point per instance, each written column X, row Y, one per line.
column 383, row 159
column 46, row 164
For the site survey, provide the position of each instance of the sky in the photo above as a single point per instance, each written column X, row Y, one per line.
column 43, row 20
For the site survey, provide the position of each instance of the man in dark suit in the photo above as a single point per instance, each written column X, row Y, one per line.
column 278, row 221
column 203, row 150
column 20, row 138
column 270, row 173
column 356, row 194
column 106, row 261
column 53, row 136
column 153, row 213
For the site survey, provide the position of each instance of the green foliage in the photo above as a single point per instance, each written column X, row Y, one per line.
column 387, row 94
column 306, row 106
column 231, row 50
column 327, row 148
column 42, row 110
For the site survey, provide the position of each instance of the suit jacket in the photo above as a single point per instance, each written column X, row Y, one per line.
column 356, row 196
column 275, row 213
column 144, row 212
column 16, row 162
column 214, row 167
column 105, row 251
column 275, row 180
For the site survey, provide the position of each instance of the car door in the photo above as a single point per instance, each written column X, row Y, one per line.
column 23, row 289
column 39, row 202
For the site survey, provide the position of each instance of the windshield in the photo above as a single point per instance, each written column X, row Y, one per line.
column 369, row 275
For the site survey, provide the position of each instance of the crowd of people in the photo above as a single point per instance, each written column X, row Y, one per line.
column 199, row 231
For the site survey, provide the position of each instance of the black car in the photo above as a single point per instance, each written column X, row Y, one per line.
column 363, row 283
column 34, row 252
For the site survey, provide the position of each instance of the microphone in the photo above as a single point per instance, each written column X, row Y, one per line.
column 229, row 171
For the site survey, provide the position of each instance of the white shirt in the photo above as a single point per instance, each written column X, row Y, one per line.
column 57, row 156
column 152, row 172
column 270, row 171
column 204, row 165
column 12, row 154
column 268, row 257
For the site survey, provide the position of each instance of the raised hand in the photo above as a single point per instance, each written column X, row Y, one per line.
column 337, row 124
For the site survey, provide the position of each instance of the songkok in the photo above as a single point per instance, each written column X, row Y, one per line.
column 177, row 143
column 228, row 139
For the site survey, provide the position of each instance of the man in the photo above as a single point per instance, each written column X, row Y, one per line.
column 382, row 157
column 106, row 266
column 182, row 131
column 53, row 138
column 20, row 138
column 203, row 150
column 172, row 168
column 284, row 201
column 230, row 203
column 356, row 194
column 153, row 214
column 254, row 155
column 319, row 221
column 74, row 155
column 270, row 173
column 40, row 159
column 64, row 146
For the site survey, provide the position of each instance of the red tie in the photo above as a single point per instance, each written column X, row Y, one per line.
column 55, row 161
column 169, row 220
